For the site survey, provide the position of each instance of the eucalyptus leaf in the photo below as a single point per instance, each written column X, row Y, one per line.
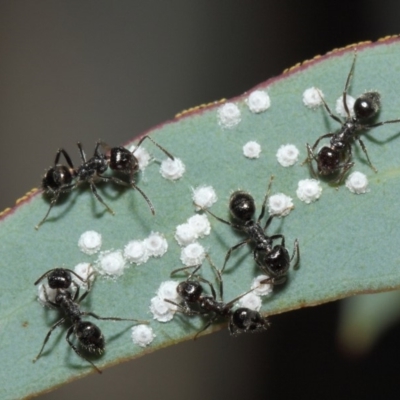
column 348, row 242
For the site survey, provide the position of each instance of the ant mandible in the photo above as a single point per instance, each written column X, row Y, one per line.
column 60, row 178
column 241, row 320
column 337, row 157
column 88, row 334
column 274, row 261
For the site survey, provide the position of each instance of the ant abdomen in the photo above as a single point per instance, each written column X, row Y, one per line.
column 244, row 320
column 90, row 336
column 328, row 161
column 56, row 177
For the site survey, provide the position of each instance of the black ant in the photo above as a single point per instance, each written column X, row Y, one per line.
column 337, row 157
column 60, row 178
column 88, row 334
column 273, row 260
column 241, row 320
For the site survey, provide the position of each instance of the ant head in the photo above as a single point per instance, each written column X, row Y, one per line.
column 59, row 278
column 245, row 320
column 367, row 105
column 90, row 336
column 56, row 177
column 242, row 206
column 121, row 159
column 190, row 291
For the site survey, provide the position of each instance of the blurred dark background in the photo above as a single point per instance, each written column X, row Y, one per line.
column 82, row 70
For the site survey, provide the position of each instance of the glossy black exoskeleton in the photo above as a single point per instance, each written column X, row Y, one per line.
column 58, row 179
column 334, row 160
column 61, row 178
column 274, row 260
column 123, row 161
column 68, row 301
column 195, row 302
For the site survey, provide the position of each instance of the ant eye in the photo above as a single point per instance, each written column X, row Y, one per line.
column 242, row 206
column 367, row 105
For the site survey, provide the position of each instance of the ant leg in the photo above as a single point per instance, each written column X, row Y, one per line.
column 296, row 252
column 265, row 199
column 234, row 226
column 81, row 152
column 344, row 167
column 197, row 267
column 206, row 326
column 270, row 218
column 91, row 314
column 98, row 197
column 169, row 155
column 310, row 150
column 184, row 309
column 48, row 336
column 228, row 254
column 52, row 203
column 310, row 157
column 66, row 156
column 114, row 318
column 392, row 121
column 364, row 149
column 328, row 110
column 346, row 86
column 150, row 204
column 219, row 277
column 130, row 184
column 70, row 331
column 279, row 236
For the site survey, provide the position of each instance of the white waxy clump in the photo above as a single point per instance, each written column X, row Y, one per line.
column 200, row 224
column 111, row 263
column 142, row 335
column 262, row 289
column 172, row 169
column 350, row 105
column 51, row 293
column 193, row 254
column 185, row 234
column 258, row 101
column 136, row 252
column 252, row 150
column 142, row 155
column 357, row 183
column 308, row 190
column 167, row 290
column 229, row 115
column 161, row 309
column 156, row 244
column 287, row 155
column 90, row 242
column 280, row 204
column 204, row 196
column 312, row 97
column 251, row 301
column 84, row 270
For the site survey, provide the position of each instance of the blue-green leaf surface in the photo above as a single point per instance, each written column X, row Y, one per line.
column 349, row 243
